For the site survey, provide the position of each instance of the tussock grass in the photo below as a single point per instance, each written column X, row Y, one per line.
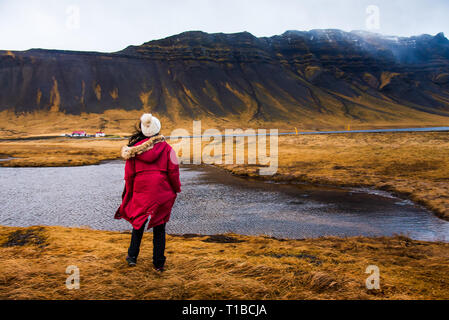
column 120, row 122
column 59, row 152
column 257, row 267
column 33, row 260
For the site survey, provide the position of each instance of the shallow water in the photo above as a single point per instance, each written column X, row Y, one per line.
column 211, row 202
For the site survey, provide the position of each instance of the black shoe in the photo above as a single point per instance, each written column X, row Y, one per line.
column 160, row 270
column 131, row 261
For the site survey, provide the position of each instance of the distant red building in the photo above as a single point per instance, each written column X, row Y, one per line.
column 78, row 133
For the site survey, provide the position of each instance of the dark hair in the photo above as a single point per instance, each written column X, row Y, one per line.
column 137, row 136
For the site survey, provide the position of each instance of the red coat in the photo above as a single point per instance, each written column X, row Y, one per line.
column 151, row 185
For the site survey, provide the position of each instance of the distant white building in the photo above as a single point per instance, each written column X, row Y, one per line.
column 100, row 134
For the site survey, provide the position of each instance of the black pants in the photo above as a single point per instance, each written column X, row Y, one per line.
column 158, row 244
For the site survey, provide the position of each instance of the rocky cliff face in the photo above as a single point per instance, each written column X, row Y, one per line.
column 194, row 74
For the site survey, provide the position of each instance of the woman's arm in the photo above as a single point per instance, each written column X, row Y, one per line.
column 129, row 176
column 129, row 169
column 173, row 171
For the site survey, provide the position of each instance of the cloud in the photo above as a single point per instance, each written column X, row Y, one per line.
column 112, row 25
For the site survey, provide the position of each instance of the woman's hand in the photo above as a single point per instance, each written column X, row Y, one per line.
column 126, row 152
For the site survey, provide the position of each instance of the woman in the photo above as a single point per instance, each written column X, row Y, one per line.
column 151, row 185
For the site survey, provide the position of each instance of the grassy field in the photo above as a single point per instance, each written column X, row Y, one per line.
column 59, row 152
column 33, row 262
column 121, row 122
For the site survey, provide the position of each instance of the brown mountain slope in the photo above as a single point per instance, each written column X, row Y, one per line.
column 320, row 76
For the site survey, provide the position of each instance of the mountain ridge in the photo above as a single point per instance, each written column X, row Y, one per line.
column 355, row 75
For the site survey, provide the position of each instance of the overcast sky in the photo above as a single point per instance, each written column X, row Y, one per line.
column 97, row 25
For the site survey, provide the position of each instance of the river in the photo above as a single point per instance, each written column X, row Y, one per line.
column 212, row 201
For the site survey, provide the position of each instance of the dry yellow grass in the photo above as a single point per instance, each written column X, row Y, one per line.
column 59, row 152
column 414, row 164
column 115, row 122
column 121, row 122
column 33, row 262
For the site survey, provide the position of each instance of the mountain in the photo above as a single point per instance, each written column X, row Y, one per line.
column 319, row 73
